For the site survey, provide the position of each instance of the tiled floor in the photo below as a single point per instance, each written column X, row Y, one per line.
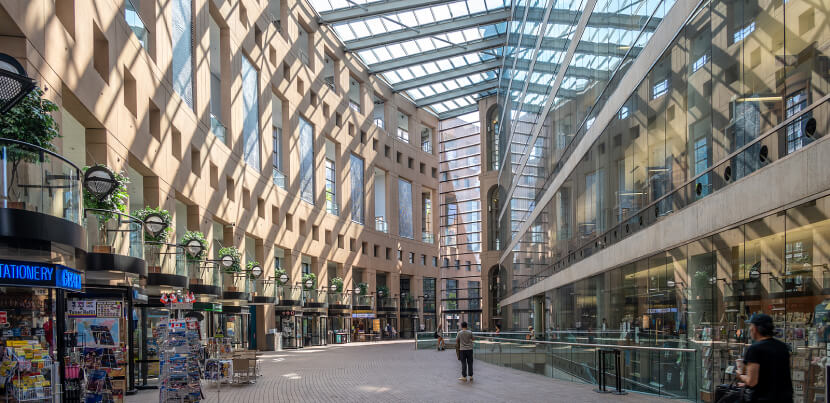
column 392, row 372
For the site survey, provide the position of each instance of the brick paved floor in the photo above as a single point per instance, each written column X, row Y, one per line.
column 392, row 372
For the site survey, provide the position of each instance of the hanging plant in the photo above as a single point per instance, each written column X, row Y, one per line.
column 363, row 288
column 337, row 282
column 189, row 236
column 234, row 253
column 383, row 289
column 313, row 279
column 165, row 217
column 278, row 273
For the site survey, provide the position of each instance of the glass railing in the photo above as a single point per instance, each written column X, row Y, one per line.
column 316, row 298
column 378, row 122
column 403, row 135
column 428, row 237
column 665, row 371
column 217, row 128
column 165, row 258
column 114, row 233
column 746, row 159
column 354, row 105
column 289, row 293
column 380, row 224
column 339, row 298
column 133, row 19
column 332, row 208
column 426, row 146
column 409, row 304
column 35, row 179
column 387, row 303
column 363, row 301
column 429, row 305
column 427, row 340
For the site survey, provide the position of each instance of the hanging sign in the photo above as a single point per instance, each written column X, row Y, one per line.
column 4, row 318
column 82, row 309
column 35, row 274
column 109, row 309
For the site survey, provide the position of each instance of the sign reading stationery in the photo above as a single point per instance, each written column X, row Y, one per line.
column 34, row 274
column 109, row 309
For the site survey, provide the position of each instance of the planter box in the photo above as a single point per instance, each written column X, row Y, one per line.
column 102, row 249
column 154, row 269
column 17, row 205
column 195, row 281
column 232, row 289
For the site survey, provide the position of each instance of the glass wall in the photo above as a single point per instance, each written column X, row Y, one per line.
column 306, row 154
column 250, row 109
column 182, row 62
column 702, row 117
column 699, row 295
column 405, row 213
column 356, row 174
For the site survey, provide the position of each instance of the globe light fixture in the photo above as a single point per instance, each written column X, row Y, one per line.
column 670, row 283
column 14, row 83
column 99, row 181
column 154, row 224
column 283, row 278
column 227, row 261
column 356, row 290
column 195, row 247
column 309, row 283
column 256, row 271
column 334, row 288
column 380, row 293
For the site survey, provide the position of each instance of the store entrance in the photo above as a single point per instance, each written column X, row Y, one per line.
column 315, row 330
column 146, row 347
column 290, row 327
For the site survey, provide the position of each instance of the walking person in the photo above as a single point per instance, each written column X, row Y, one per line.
column 439, row 334
column 464, row 345
column 765, row 369
column 496, row 342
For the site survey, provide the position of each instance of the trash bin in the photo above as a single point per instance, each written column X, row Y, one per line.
column 270, row 342
column 279, row 342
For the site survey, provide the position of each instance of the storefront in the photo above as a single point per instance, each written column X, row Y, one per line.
column 290, row 326
column 365, row 325
column 233, row 324
column 340, row 318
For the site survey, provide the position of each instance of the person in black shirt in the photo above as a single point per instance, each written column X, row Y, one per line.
column 766, row 364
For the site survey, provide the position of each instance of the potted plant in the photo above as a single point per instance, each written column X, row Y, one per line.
column 278, row 273
column 115, row 201
column 337, row 282
column 362, row 288
column 29, row 121
column 194, row 257
column 250, row 276
column 383, row 291
column 154, row 249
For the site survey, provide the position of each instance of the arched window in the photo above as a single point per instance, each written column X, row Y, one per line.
column 493, row 160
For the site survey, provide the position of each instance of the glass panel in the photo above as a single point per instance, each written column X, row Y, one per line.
column 306, row 154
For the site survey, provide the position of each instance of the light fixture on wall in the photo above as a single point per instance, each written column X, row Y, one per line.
column 154, row 224
column 99, row 181
column 14, row 82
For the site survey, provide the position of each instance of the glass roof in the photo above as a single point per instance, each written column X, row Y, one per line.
column 447, row 55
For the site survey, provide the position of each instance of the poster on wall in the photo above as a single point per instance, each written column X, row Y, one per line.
column 98, row 332
column 109, row 309
column 81, row 309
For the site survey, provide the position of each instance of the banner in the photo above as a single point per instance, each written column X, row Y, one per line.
column 82, row 309
column 109, row 309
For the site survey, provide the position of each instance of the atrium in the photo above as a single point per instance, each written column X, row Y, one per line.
column 625, row 196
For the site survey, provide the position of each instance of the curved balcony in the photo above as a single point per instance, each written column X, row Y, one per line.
column 363, row 302
column 339, row 300
column 165, row 265
column 265, row 291
column 289, row 295
column 315, row 299
column 116, row 242
column 409, row 304
column 387, row 304
column 40, row 195
column 205, row 278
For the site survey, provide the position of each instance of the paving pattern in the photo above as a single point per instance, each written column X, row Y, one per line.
column 392, row 372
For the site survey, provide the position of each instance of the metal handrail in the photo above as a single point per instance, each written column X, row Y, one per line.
column 6, row 140
column 591, row 345
column 116, row 212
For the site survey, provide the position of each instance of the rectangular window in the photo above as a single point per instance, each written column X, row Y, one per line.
column 795, row 132
column 380, row 201
column 133, row 19
column 279, row 176
column 182, row 61
column 331, row 187
column 701, row 164
column 623, row 113
column 426, row 140
column 426, row 218
column 250, row 114
column 744, row 32
column 377, row 112
column 215, row 67
column 306, row 150
column 356, row 175
column 405, row 209
column 354, row 94
column 660, row 88
column 403, row 128
column 700, row 62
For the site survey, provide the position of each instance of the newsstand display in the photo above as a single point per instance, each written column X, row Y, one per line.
column 180, row 355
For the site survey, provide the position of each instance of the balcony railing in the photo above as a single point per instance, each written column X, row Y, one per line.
column 165, row 258
column 279, row 178
column 114, row 233
column 354, row 105
column 133, row 19
column 329, row 81
column 332, row 208
column 380, row 224
column 339, row 298
column 289, row 294
column 378, row 122
column 217, row 128
column 363, row 301
column 403, row 135
column 315, row 299
column 428, row 237
column 429, row 305
column 36, row 179
column 426, row 146
column 409, row 304
column 387, row 303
